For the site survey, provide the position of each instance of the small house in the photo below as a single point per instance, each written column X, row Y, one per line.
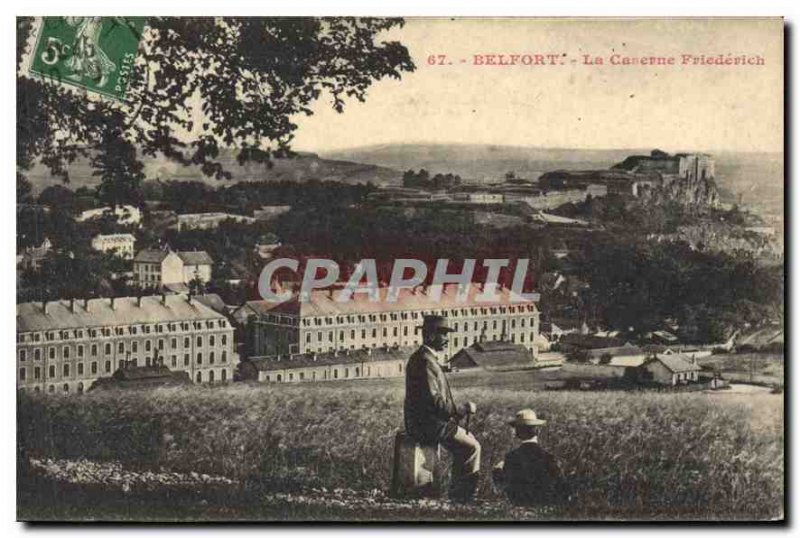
column 674, row 369
column 494, row 356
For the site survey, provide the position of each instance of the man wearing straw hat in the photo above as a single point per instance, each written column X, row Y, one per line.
column 431, row 414
column 530, row 475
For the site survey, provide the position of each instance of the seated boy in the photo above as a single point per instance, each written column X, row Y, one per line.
column 530, row 475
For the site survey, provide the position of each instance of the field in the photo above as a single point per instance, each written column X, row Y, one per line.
column 324, row 452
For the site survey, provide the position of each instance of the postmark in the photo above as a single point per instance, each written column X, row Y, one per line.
column 95, row 54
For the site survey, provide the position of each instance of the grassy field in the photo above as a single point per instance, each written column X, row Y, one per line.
column 324, row 451
column 764, row 368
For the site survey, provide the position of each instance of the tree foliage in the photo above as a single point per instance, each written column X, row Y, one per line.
column 200, row 84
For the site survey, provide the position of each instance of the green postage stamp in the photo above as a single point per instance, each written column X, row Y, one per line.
column 95, row 53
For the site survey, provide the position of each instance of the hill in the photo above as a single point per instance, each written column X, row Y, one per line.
column 753, row 179
column 304, row 167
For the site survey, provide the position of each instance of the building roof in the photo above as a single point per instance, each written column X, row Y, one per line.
column 115, row 236
column 332, row 358
column 189, row 257
column 323, row 302
column 101, row 313
column 213, row 301
column 676, row 363
column 494, row 355
column 142, row 377
column 195, row 257
column 151, row 256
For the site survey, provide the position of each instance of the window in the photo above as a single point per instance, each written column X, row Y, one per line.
column 161, row 345
column 66, row 387
column 94, row 367
column 224, row 356
column 335, row 373
column 224, row 336
column 80, row 388
column 37, row 354
column 22, row 355
column 356, row 371
column 211, row 358
column 174, row 361
column 108, row 349
column 134, row 347
column 147, row 346
column 211, row 340
column 121, row 347
column 279, row 378
column 52, row 353
column 186, row 359
column 37, row 373
column 66, row 370
column 291, row 376
column 52, row 372
column 94, row 350
column 173, row 343
column 224, row 375
column 199, row 358
column 108, row 366
column 211, row 376
column 199, row 341
column 199, row 377
column 347, row 372
column 22, row 374
column 80, row 351
column 186, row 342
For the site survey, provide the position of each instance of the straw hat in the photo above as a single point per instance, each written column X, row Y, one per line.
column 526, row 417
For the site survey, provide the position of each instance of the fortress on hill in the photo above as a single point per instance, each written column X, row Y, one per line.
column 687, row 178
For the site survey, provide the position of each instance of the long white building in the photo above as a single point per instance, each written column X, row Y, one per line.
column 64, row 346
column 323, row 324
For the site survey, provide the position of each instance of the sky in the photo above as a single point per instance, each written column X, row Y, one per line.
column 575, row 105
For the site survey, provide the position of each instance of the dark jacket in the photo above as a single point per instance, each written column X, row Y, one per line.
column 430, row 412
column 532, row 476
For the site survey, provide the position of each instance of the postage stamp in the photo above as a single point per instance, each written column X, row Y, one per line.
column 95, row 53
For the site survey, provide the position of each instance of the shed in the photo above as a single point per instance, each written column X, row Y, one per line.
column 493, row 356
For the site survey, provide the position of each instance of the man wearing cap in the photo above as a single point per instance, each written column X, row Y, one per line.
column 530, row 475
column 431, row 414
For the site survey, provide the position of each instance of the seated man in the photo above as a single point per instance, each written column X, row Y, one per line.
column 530, row 475
column 431, row 414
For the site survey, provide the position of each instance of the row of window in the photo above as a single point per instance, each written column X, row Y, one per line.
column 395, row 330
column 134, row 347
column 121, row 331
column 66, row 368
column 411, row 315
column 381, row 370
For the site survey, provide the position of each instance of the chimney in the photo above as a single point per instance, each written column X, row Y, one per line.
column 86, row 304
column 164, row 299
column 44, row 307
column 72, row 305
column 139, row 301
column 112, row 304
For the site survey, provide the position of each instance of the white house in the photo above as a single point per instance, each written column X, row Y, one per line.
column 674, row 369
column 156, row 268
column 121, row 244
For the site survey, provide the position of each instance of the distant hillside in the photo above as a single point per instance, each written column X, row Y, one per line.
column 756, row 177
column 481, row 162
column 304, row 167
